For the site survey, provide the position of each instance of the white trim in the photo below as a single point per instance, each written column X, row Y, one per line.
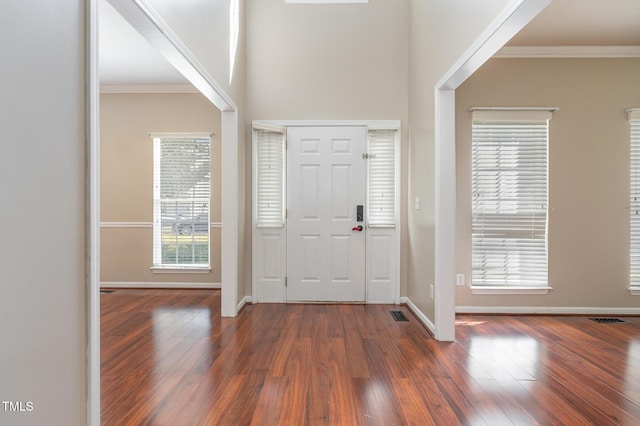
column 230, row 238
column 509, row 290
column 93, row 216
column 142, row 224
column 372, row 124
column 551, row 109
column 180, row 270
column 179, row 135
column 326, row 1
column 144, row 88
column 634, row 290
column 514, row 17
column 267, row 127
column 419, row 314
column 445, row 269
column 244, row 301
column 632, row 113
column 545, row 310
column 518, row 52
column 134, row 284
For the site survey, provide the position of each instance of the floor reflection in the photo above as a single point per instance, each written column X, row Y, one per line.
column 504, row 363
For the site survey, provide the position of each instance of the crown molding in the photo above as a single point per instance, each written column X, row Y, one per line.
column 148, row 88
column 510, row 52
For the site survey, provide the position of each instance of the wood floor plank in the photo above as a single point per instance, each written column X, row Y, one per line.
column 169, row 358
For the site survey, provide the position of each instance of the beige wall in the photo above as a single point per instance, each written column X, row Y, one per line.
column 588, row 173
column 127, row 178
column 43, row 324
column 441, row 31
column 328, row 62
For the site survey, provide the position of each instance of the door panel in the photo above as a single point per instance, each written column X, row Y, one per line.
column 325, row 183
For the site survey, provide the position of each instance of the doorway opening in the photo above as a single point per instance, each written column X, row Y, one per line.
column 151, row 26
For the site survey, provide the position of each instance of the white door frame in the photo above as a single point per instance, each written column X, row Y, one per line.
column 256, row 243
column 153, row 28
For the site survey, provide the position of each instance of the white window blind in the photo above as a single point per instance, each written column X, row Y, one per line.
column 270, row 178
column 382, row 178
column 634, row 188
column 509, row 190
column 181, row 197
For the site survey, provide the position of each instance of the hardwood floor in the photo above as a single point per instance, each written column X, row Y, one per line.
column 169, row 359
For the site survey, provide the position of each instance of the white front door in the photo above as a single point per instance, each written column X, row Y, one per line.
column 326, row 178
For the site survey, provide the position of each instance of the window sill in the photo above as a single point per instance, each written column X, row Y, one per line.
column 509, row 290
column 180, row 269
column 634, row 290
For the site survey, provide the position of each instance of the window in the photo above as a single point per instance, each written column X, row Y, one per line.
column 634, row 189
column 382, row 178
column 181, row 197
column 269, row 177
column 324, row 1
column 509, row 190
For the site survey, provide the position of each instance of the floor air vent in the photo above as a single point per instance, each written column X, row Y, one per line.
column 106, row 291
column 399, row 316
column 607, row 320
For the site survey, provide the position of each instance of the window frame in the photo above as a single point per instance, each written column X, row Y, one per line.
column 510, row 117
column 275, row 138
column 157, row 265
column 382, row 161
column 633, row 115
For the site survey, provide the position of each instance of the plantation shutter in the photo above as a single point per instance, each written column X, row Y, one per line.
column 382, row 178
column 181, row 196
column 509, row 189
column 634, row 187
column 270, row 178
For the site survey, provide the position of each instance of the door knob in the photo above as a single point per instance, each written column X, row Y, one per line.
column 357, row 228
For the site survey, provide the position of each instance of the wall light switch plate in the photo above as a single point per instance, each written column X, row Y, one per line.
column 431, row 291
column 417, row 203
column 460, row 279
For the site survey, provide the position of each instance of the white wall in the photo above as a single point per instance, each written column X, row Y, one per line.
column 43, row 332
column 440, row 32
column 327, row 61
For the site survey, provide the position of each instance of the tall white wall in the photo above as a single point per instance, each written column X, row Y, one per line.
column 345, row 61
column 43, row 330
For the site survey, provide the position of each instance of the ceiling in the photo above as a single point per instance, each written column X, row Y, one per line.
column 127, row 59
column 583, row 23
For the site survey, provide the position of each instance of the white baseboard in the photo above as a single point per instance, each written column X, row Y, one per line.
column 131, row 284
column 245, row 300
column 418, row 313
column 544, row 310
